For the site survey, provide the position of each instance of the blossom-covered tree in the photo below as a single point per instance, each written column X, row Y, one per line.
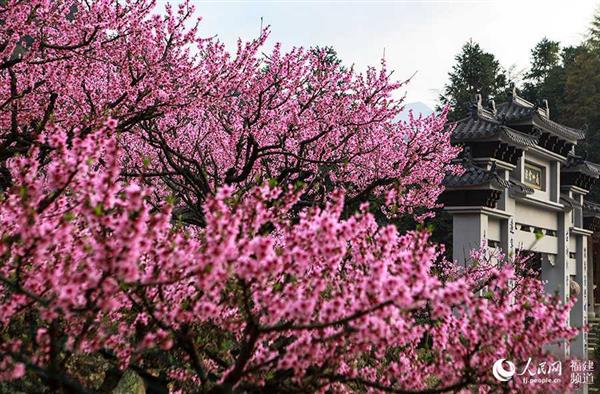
column 197, row 117
column 203, row 219
column 258, row 297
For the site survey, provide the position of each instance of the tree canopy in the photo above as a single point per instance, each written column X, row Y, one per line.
column 475, row 72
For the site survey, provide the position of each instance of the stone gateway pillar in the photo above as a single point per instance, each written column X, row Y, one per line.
column 523, row 189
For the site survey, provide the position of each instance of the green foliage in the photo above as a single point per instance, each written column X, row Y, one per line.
column 569, row 78
column 546, row 78
column 545, row 56
column 489, row 295
column 582, row 98
column 99, row 209
column 582, row 94
column 475, row 72
column 330, row 55
column 539, row 234
column 594, row 32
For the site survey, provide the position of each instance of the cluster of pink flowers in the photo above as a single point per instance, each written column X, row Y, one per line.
column 194, row 112
column 334, row 301
column 167, row 206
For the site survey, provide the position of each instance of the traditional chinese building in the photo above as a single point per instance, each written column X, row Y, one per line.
column 524, row 189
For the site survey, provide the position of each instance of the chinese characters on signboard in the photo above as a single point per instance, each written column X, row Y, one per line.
column 533, row 176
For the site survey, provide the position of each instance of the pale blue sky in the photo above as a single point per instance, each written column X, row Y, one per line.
column 418, row 36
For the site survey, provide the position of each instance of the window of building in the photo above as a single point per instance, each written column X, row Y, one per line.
column 535, row 176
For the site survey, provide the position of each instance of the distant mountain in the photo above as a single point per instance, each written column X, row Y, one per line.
column 417, row 107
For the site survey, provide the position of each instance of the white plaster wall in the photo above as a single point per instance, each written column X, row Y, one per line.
column 572, row 263
column 537, row 217
column 572, row 244
column 494, row 229
column 528, row 241
column 469, row 230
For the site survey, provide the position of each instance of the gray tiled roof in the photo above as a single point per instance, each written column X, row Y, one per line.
column 520, row 138
column 475, row 176
column 472, row 126
column 591, row 208
column 568, row 133
column 516, row 111
column 480, row 130
column 519, row 110
column 578, row 164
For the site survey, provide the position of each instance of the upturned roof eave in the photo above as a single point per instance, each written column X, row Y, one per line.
column 567, row 133
column 500, row 133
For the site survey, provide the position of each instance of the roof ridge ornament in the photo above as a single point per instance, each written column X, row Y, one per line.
column 542, row 108
column 476, row 107
column 518, row 100
column 478, row 100
column 492, row 106
column 513, row 91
